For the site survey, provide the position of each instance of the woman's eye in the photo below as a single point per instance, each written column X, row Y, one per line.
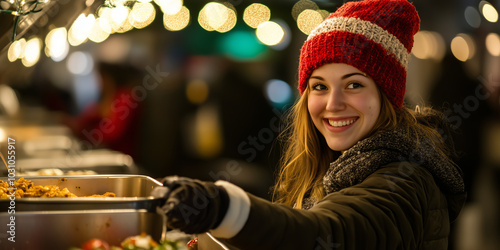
column 319, row 86
column 354, row 85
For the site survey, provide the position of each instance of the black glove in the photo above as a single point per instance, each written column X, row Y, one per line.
column 193, row 206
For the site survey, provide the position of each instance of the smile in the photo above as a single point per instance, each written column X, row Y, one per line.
column 341, row 123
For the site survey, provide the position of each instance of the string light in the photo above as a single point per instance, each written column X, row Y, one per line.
column 23, row 8
column 124, row 15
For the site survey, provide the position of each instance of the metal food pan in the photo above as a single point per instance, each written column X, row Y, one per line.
column 132, row 192
column 65, row 229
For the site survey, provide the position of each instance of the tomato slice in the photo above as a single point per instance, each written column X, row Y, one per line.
column 95, row 244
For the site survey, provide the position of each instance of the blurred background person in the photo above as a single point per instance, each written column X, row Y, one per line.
column 111, row 122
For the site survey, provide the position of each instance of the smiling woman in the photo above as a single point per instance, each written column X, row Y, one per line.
column 344, row 104
column 360, row 170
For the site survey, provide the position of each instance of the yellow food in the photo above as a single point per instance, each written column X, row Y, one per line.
column 25, row 188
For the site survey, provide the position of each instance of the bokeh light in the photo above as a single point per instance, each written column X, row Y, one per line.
column 302, row 5
column 463, row 47
column 308, row 20
column 489, row 12
column 493, row 44
column 104, row 20
column 231, row 19
column 256, row 14
column 56, row 44
column 118, row 15
column 278, row 92
column 197, row 91
column 429, row 45
column 241, row 45
column 16, row 49
column 170, row 7
column 142, row 15
column 178, row 21
column 80, row 63
column 80, row 29
column 97, row 33
column 472, row 17
column 32, row 52
column 217, row 16
column 270, row 33
column 124, row 27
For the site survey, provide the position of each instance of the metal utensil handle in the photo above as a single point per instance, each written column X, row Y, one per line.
column 164, row 224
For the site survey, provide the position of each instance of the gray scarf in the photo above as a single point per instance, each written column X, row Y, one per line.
column 372, row 153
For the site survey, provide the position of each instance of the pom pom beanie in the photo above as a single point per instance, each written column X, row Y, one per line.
column 374, row 36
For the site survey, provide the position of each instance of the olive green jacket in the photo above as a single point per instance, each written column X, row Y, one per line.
column 399, row 206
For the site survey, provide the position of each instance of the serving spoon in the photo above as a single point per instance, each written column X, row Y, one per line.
column 4, row 162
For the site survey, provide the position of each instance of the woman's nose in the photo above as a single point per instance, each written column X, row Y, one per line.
column 336, row 101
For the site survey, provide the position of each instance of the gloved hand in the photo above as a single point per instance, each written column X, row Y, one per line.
column 192, row 206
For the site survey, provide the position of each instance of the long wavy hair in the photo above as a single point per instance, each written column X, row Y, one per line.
column 306, row 155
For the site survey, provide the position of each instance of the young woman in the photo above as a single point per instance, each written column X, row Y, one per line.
column 360, row 170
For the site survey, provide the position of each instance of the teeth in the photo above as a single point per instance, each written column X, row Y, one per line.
column 341, row 123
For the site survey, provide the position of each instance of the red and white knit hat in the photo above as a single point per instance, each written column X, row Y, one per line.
column 375, row 36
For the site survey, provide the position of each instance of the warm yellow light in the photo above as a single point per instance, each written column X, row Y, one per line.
column 118, row 15
column 56, row 44
column 270, row 33
column 142, row 15
column 463, row 47
column 208, row 137
column 2, row 135
column 32, row 52
column 308, row 20
column 197, row 91
column 178, row 21
column 105, row 20
column 170, row 7
column 79, row 31
column 230, row 21
column 256, row 14
column 216, row 14
column 302, row 5
column 203, row 20
column 97, row 34
column 493, row 44
column 429, row 45
column 16, row 49
column 324, row 13
column 490, row 13
column 124, row 27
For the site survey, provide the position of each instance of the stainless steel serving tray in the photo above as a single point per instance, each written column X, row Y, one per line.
column 64, row 229
column 132, row 192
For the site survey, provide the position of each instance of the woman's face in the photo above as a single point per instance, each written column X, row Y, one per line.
column 344, row 104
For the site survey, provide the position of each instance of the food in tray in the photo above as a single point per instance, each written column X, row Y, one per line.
column 56, row 171
column 25, row 188
column 138, row 242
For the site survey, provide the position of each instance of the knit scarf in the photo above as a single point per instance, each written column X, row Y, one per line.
column 374, row 152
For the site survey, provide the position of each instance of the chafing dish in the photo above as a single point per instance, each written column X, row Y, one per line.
column 65, row 229
column 132, row 192
column 60, row 223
